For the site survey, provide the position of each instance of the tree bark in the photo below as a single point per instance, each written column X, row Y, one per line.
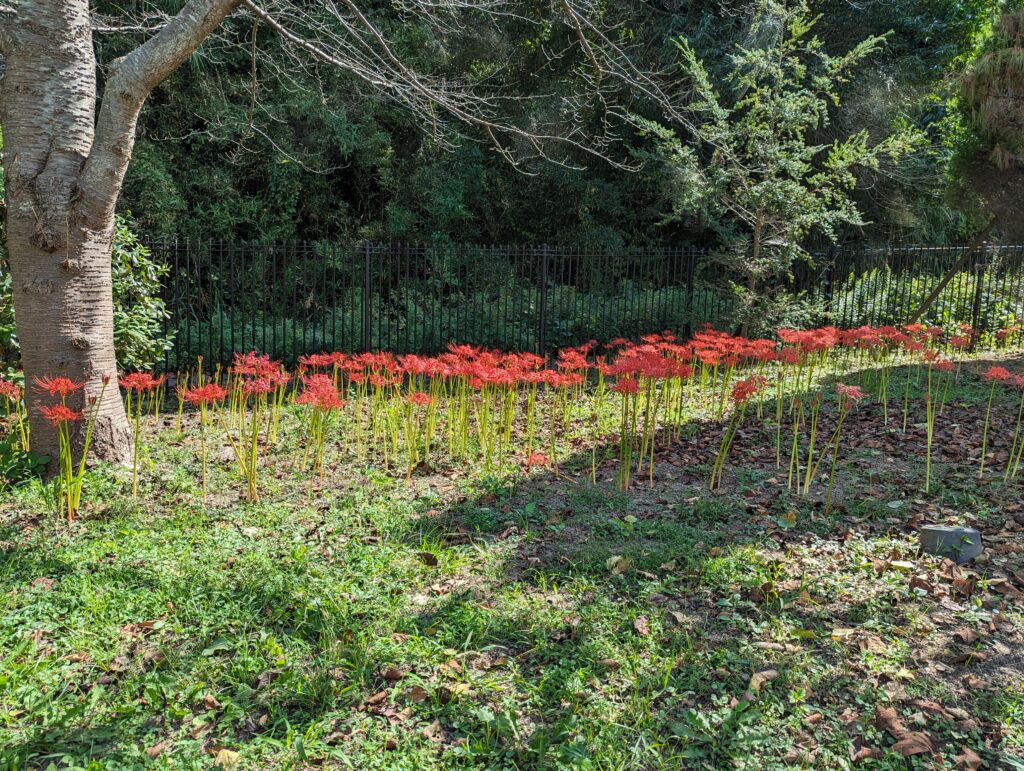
column 64, row 166
column 60, row 269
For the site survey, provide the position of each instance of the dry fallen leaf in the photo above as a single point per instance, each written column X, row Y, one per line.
column 156, row 750
column 642, row 626
column 428, row 558
column 967, row 760
column 617, row 564
column 965, row 635
column 227, row 758
column 418, row 693
column 887, row 719
column 913, row 743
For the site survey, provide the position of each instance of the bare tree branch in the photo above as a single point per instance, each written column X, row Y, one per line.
column 132, row 79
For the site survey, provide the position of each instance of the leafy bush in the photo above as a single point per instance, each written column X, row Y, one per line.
column 139, row 311
column 18, row 465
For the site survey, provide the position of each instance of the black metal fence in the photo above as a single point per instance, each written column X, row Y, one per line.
column 294, row 298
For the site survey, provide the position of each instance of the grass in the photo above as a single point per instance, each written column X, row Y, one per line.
column 518, row 622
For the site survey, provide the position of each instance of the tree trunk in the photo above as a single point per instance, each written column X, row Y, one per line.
column 64, row 165
column 60, row 266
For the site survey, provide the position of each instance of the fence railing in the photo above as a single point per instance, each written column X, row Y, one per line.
column 288, row 299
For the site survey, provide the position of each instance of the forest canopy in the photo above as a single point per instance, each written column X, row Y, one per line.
column 257, row 149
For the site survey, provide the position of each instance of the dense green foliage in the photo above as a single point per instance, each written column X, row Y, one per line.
column 756, row 156
column 230, row 149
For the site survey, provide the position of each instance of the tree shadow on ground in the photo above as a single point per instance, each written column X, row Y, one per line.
column 543, row 621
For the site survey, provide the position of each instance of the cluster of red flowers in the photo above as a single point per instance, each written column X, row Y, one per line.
column 1003, row 375
column 59, row 413
column 848, row 395
column 319, row 391
column 140, row 382
column 260, row 375
column 58, row 386
column 746, row 389
column 206, row 394
column 10, row 390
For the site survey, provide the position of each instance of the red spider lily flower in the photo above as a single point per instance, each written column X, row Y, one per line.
column 960, row 341
column 626, row 385
column 745, row 389
column 944, row 365
column 1000, row 374
column 848, row 394
column 58, row 386
column 322, row 397
column 139, row 382
column 419, row 398
column 537, row 458
column 10, row 390
column 254, row 365
column 58, row 414
column 206, row 394
column 317, row 360
column 259, row 387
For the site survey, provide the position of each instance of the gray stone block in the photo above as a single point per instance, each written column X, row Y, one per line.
column 960, row 544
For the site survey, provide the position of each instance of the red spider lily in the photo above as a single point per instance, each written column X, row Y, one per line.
column 625, row 386
column 137, row 383
column 255, row 365
column 993, row 375
column 259, row 387
column 59, row 414
column 70, row 477
column 320, row 393
column 998, row 374
column 321, row 397
column 58, row 386
column 537, row 458
column 206, row 394
column 419, row 398
column 10, row 390
column 318, row 360
column 744, row 390
column 140, row 382
column 848, row 394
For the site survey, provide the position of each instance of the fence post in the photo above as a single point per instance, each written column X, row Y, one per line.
column 542, row 322
column 366, row 295
column 979, row 285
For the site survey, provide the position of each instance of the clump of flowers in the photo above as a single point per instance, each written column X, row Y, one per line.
column 742, row 392
column 14, row 407
column 628, row 389
column 70, row 476
column 849, row 395
column 207, row 398
column 994, row 375
column 418, row 428
column 321, row 396
column 1017, row 442
column 136, row 386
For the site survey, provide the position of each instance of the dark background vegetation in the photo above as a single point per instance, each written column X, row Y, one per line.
column 238, row 147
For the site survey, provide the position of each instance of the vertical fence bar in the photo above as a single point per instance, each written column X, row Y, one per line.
column 543, row 300
column 366, row 296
